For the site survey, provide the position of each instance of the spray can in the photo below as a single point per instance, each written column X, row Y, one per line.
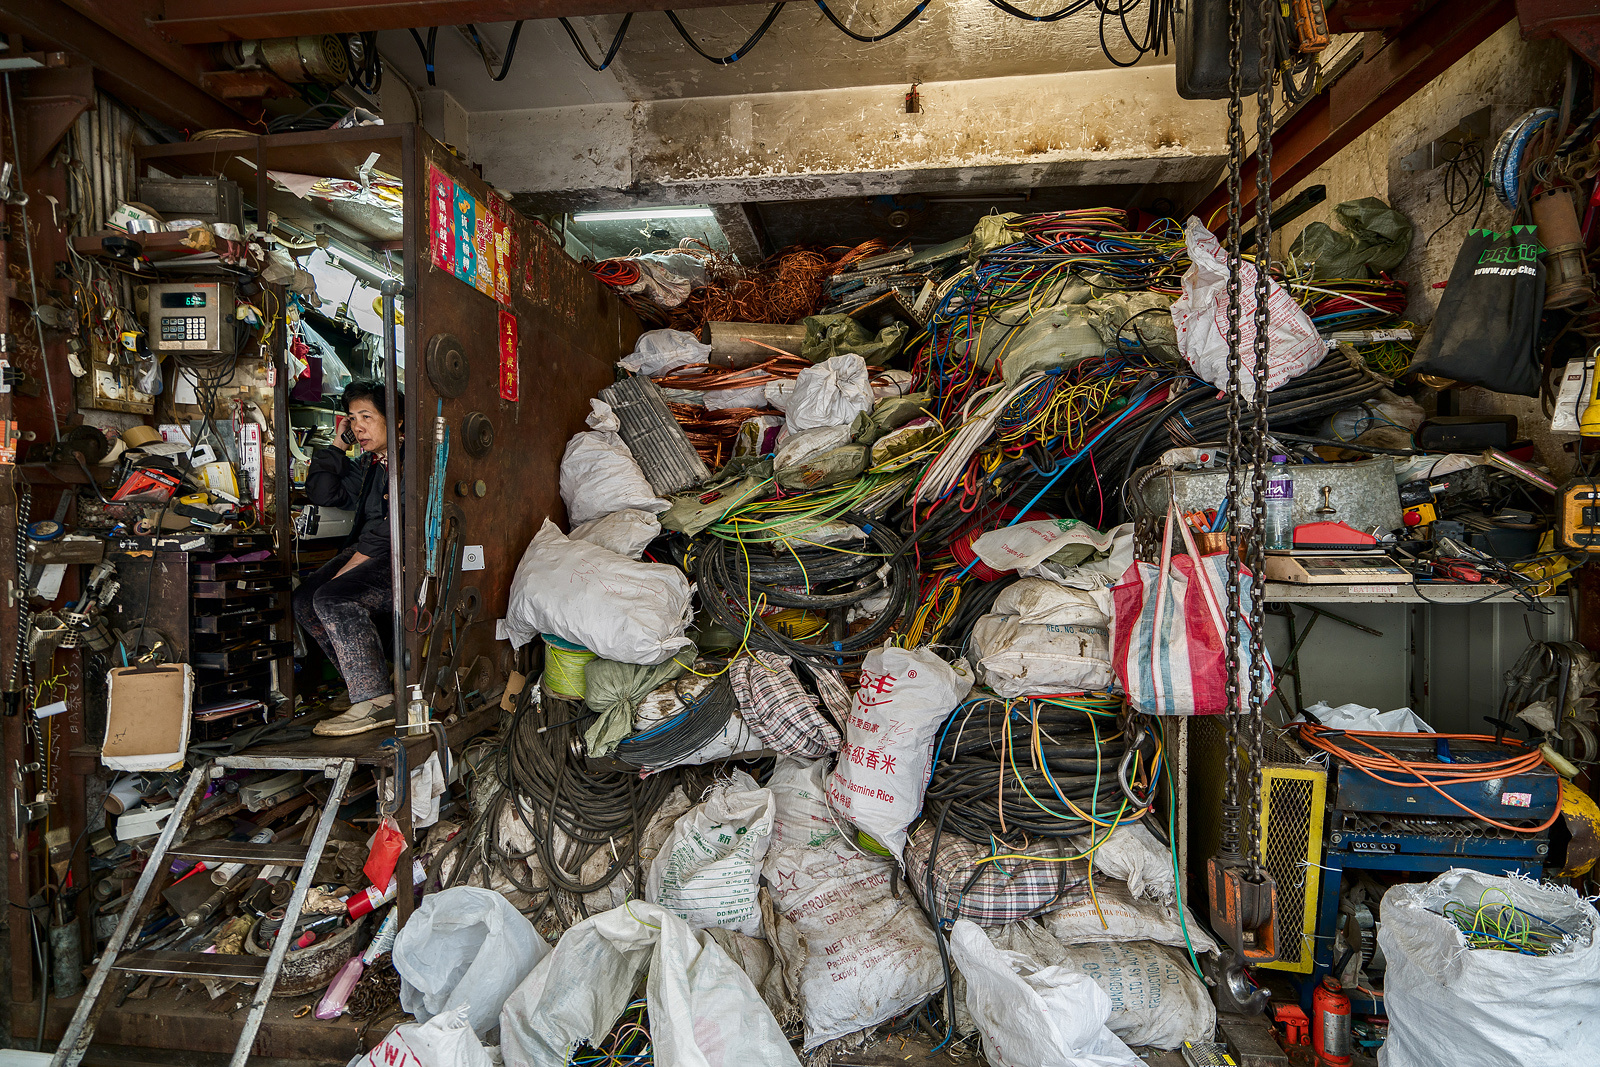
column 365, row 900
column 1330, row 1023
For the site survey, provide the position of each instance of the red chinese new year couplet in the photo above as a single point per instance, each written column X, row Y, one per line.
column 508, row 355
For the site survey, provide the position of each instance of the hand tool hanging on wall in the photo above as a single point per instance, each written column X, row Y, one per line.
column 1243, row 895
column 451, row 533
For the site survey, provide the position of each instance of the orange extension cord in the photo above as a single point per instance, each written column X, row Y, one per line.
column 1429, row 774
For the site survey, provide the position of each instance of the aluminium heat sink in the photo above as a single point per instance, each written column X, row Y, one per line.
column 659, row 445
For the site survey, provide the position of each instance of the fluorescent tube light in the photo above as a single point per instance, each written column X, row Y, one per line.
column 643, row 214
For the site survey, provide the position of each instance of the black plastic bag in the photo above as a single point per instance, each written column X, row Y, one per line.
column 1487, row 327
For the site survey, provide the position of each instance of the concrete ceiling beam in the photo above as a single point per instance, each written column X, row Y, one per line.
column 1117, row 127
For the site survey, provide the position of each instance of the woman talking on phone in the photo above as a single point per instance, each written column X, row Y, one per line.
column 336, row 604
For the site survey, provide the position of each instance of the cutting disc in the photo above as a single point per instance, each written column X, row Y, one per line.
column 447, row 365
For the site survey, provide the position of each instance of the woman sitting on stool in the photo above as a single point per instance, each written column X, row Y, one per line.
column 335, row 605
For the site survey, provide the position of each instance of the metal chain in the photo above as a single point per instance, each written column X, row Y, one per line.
column 1259, row 457
column 1230, row 796
column 21, row 662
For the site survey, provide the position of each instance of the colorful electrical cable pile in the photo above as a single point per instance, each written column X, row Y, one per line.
column 1350, row 304
column 627, row 1045
column 1502, row 926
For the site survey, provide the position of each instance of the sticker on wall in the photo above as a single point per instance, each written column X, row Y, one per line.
column 498, row 209
column 441, row 219
column 465, row 224
column 508, row 355
column 483, row 239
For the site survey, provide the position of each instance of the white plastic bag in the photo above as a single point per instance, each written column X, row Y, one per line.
column 796, row 448
column 1361, row 717
column 464, row 947
column 753, row 396
column 1201, row 318
column 831, row 393
column 1095, row 574
column 1024, row 659
column 709, row 871
column 856, row 953
column 1450, row 1005
column 704, row 1011
column 658, row 351
column 598, row 474
column 1114, row 915
column 618, row 608
column 905, row 695
column 1156, row 997
column 800, row 805
column 446, row 1040
column 1028, row 544
column 1043, row 602
column 626, row 532
column 1133, row 856
column 1034, row 1017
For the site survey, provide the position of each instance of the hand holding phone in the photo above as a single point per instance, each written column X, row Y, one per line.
column 342, row 430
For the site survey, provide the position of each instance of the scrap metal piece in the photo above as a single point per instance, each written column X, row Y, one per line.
column 1581, row 816
column 659, row 445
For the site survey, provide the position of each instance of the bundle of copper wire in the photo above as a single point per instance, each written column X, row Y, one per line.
column 712, row 433
column 788, row 287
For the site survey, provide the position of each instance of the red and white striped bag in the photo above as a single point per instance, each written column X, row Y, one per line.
column 1168, row 647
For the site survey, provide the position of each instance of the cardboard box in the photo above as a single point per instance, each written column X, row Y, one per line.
column 147, row 717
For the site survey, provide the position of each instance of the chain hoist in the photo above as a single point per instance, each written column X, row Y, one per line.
column 1243, row 895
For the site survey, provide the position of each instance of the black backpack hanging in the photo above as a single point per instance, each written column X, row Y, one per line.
column 1487, row 326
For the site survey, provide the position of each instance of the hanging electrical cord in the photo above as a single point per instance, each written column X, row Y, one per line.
column 1466, row 185
column 427, row 49
column 1369, row 754
column 1155, row 39
column 874, row 39
column 366, row 65
column 611, row 53
column 736, row 54
column 511, row 50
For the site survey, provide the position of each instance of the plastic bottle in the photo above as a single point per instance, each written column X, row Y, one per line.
column 1280, row 505
column 331, row 1006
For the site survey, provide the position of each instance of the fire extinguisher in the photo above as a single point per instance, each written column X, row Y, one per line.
column 1330, row 1023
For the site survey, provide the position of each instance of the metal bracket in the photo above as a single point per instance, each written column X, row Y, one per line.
column 1231, row 988
column 1449, row 146
column 53, row 99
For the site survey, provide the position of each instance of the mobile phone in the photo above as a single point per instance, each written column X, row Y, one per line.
column 346, row 435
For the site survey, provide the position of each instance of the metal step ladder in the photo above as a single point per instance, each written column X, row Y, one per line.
column 263, row 973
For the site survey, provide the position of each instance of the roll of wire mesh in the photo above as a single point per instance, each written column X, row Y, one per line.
column 563, row 666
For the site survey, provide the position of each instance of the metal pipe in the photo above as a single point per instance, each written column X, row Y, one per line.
column 397, row 549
